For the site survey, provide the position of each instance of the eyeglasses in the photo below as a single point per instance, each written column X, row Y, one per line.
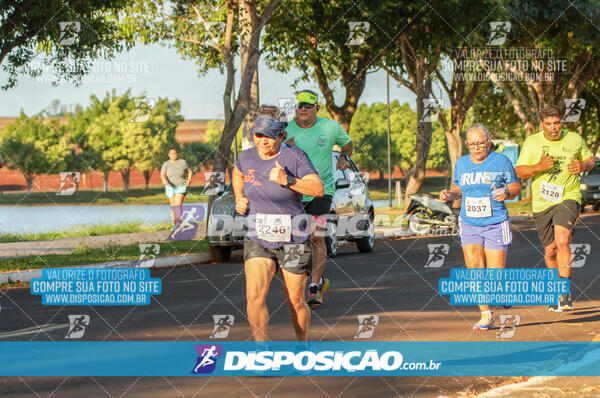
column 473, row 145
column 305, row 105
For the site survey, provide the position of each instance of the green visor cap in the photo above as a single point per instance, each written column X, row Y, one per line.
column 306, row 97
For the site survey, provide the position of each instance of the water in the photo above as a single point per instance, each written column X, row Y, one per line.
column 32, row 219
column 382, row 203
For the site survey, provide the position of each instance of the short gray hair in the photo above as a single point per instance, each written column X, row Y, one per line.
column 479, row 126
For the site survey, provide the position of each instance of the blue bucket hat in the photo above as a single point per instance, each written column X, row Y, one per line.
column 268, row 126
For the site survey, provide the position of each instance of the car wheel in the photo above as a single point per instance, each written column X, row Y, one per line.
column 596, row 206
column 366, row 244
column 331, row 240
column 415, row 223
column 220, row 254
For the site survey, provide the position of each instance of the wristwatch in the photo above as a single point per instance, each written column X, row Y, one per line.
column 290, row 181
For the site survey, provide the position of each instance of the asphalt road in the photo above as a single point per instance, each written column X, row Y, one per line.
column 392, row 282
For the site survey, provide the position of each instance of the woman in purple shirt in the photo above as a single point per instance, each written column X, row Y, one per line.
column 270, row 180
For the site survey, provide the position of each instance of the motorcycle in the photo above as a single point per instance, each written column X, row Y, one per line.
column 426, row 212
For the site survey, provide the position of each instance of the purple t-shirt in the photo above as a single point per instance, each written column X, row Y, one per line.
column 269, row 198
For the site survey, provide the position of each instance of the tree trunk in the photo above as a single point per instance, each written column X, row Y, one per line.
column 247, row 140
column 105, row 181
column 342, row 116
column 125, row 174
column 29, row 180
column 246, row 26
column 423, row 144
column 454, row 146
column 147, row 175
column 235, row 114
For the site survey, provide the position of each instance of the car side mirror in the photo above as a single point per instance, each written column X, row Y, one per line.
column 342, row 183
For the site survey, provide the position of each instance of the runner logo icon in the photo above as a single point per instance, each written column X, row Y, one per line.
column 366, row 326
column 573, row 109
column 78, row 323
column 288, row 106
column 222, row 325
column 291, row 258
column 508, row 326
column 437, row 254
column 579, row 253
column 431, row 109
column 68, row 33
column 148, row 253
column 358, row 32
column 499, row 32
column 213, row 181
column 207, row 358
column 143, row 109
column 69, row 180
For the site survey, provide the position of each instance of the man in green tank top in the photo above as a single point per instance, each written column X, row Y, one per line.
column 316, row 136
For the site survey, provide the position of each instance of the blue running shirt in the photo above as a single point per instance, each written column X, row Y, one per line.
column 269, row 198
column 477, row 182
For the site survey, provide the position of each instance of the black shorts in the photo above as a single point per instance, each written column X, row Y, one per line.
column 564, row 214
column 318, row 206
column 293, row 257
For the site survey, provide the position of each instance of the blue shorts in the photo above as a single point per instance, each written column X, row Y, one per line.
column 170, row 191
column 494, row 236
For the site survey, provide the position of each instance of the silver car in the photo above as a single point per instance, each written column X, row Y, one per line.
column 350, row 218
column 590, row 188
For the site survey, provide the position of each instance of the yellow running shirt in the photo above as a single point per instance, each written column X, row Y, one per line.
column 557, row 184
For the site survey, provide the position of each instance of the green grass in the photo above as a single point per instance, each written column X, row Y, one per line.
column 134, row 196
column 87, row 230
column 87, row 255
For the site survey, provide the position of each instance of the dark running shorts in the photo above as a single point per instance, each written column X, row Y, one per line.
column 318, row 206
column 564, row 214
column 292, row 257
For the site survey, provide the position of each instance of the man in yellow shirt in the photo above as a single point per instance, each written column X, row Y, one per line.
column 554, row 158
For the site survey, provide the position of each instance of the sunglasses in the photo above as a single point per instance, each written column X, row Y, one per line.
column 305, row 105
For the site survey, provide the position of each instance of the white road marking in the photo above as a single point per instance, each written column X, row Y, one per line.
column 189, row 280
column 34, row 330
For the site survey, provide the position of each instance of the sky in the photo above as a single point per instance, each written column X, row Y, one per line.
column 159, row 71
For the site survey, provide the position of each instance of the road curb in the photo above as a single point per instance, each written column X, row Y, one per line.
column 161, row 262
